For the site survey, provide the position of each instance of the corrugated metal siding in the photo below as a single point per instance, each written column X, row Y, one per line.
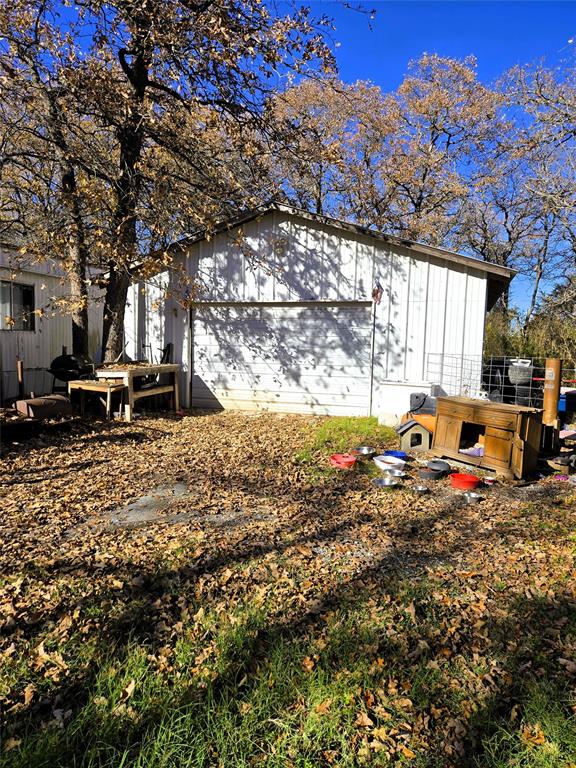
column 427, row 307
column 301, row 358
column 36, row 348
column 39, row 347
column 283, row 258
column 417, row 320
column 154, row 318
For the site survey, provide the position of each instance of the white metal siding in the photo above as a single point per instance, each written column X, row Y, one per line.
column 38, row 348
column 429, row 305
column 283, row 258
column 300, row 358
column 154, row 318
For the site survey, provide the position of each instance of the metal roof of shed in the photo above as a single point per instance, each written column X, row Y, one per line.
column 498, row 276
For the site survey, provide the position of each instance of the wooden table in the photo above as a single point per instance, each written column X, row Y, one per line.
column 103, row 387
column 511, row 434
column 124, row 375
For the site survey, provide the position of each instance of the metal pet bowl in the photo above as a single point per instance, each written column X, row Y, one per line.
column 385, row 482
column 365, row 451
column 388, row 462
column 471, row 497
column 398, row 473
column 438, row 465
column 421, row 490
column 430, row 474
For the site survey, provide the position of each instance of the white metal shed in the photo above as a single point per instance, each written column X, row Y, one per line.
column 284, row 317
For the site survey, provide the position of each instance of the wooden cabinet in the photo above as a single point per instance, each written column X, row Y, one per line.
column 510, row 434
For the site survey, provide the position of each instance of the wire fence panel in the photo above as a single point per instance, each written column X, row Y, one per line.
column 519, row 381
column 455, row 374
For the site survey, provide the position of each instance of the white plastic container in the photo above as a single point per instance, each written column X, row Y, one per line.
column 388, row 462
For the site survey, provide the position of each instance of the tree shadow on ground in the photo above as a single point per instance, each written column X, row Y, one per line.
column 521, row 643
column 525, row 631
column 530, row 642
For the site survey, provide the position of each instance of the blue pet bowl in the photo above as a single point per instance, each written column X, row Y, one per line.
column 397, row 454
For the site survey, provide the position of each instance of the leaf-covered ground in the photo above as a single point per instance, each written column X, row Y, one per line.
column 273, row 611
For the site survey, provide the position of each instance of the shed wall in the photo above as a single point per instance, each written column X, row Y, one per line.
column 300, row 357
column 428, row 305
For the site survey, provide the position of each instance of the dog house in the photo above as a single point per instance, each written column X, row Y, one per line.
column 414, row 436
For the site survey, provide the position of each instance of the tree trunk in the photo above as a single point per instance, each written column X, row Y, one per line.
column 131, row 138
column 534, row 298
column 114, row 307
column 78, row 250
column 125, row 252
column 503, row 302
column 78, row 254
column 79, row 306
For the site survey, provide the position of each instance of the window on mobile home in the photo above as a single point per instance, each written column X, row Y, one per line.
column 16, row 306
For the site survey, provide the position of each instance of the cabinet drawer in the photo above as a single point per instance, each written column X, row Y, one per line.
column 458, row 411
column 496, row 419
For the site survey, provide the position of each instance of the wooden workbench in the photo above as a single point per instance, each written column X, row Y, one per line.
column 102, row 387
column 511, row 434
column 125, row 375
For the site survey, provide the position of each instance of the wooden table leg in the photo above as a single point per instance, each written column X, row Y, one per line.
column 176, row 398
column 129, row 408
column 109, row 403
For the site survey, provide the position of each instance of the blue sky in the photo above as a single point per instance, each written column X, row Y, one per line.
column 499, row 34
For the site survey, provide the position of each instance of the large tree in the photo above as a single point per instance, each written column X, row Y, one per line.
column 519, row 210
column 398, row 161
column 447, row 160
column 320, row 121
column 42, row 208
column 152, row 114
column 444, row 114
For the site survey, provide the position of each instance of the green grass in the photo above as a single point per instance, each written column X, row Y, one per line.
column 242, row 690
column 540, row 733
column 340, row 434
column 254, row 701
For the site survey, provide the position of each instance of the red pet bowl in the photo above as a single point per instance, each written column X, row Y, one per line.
column 343, row 460
column 464, row 482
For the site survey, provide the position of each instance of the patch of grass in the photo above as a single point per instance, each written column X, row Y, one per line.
column 264, row 697
column 243, row 690
column 339, row 434
column 539, row 733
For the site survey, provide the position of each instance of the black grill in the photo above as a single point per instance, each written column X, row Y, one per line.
column 72, row 367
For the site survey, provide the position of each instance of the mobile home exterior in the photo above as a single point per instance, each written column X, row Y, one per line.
column 32, row 326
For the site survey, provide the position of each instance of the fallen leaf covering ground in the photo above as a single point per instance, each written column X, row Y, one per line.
column 275, row 612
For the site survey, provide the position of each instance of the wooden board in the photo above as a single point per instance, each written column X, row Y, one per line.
column 89, row 385
column 136, row 369
column 152, row 391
